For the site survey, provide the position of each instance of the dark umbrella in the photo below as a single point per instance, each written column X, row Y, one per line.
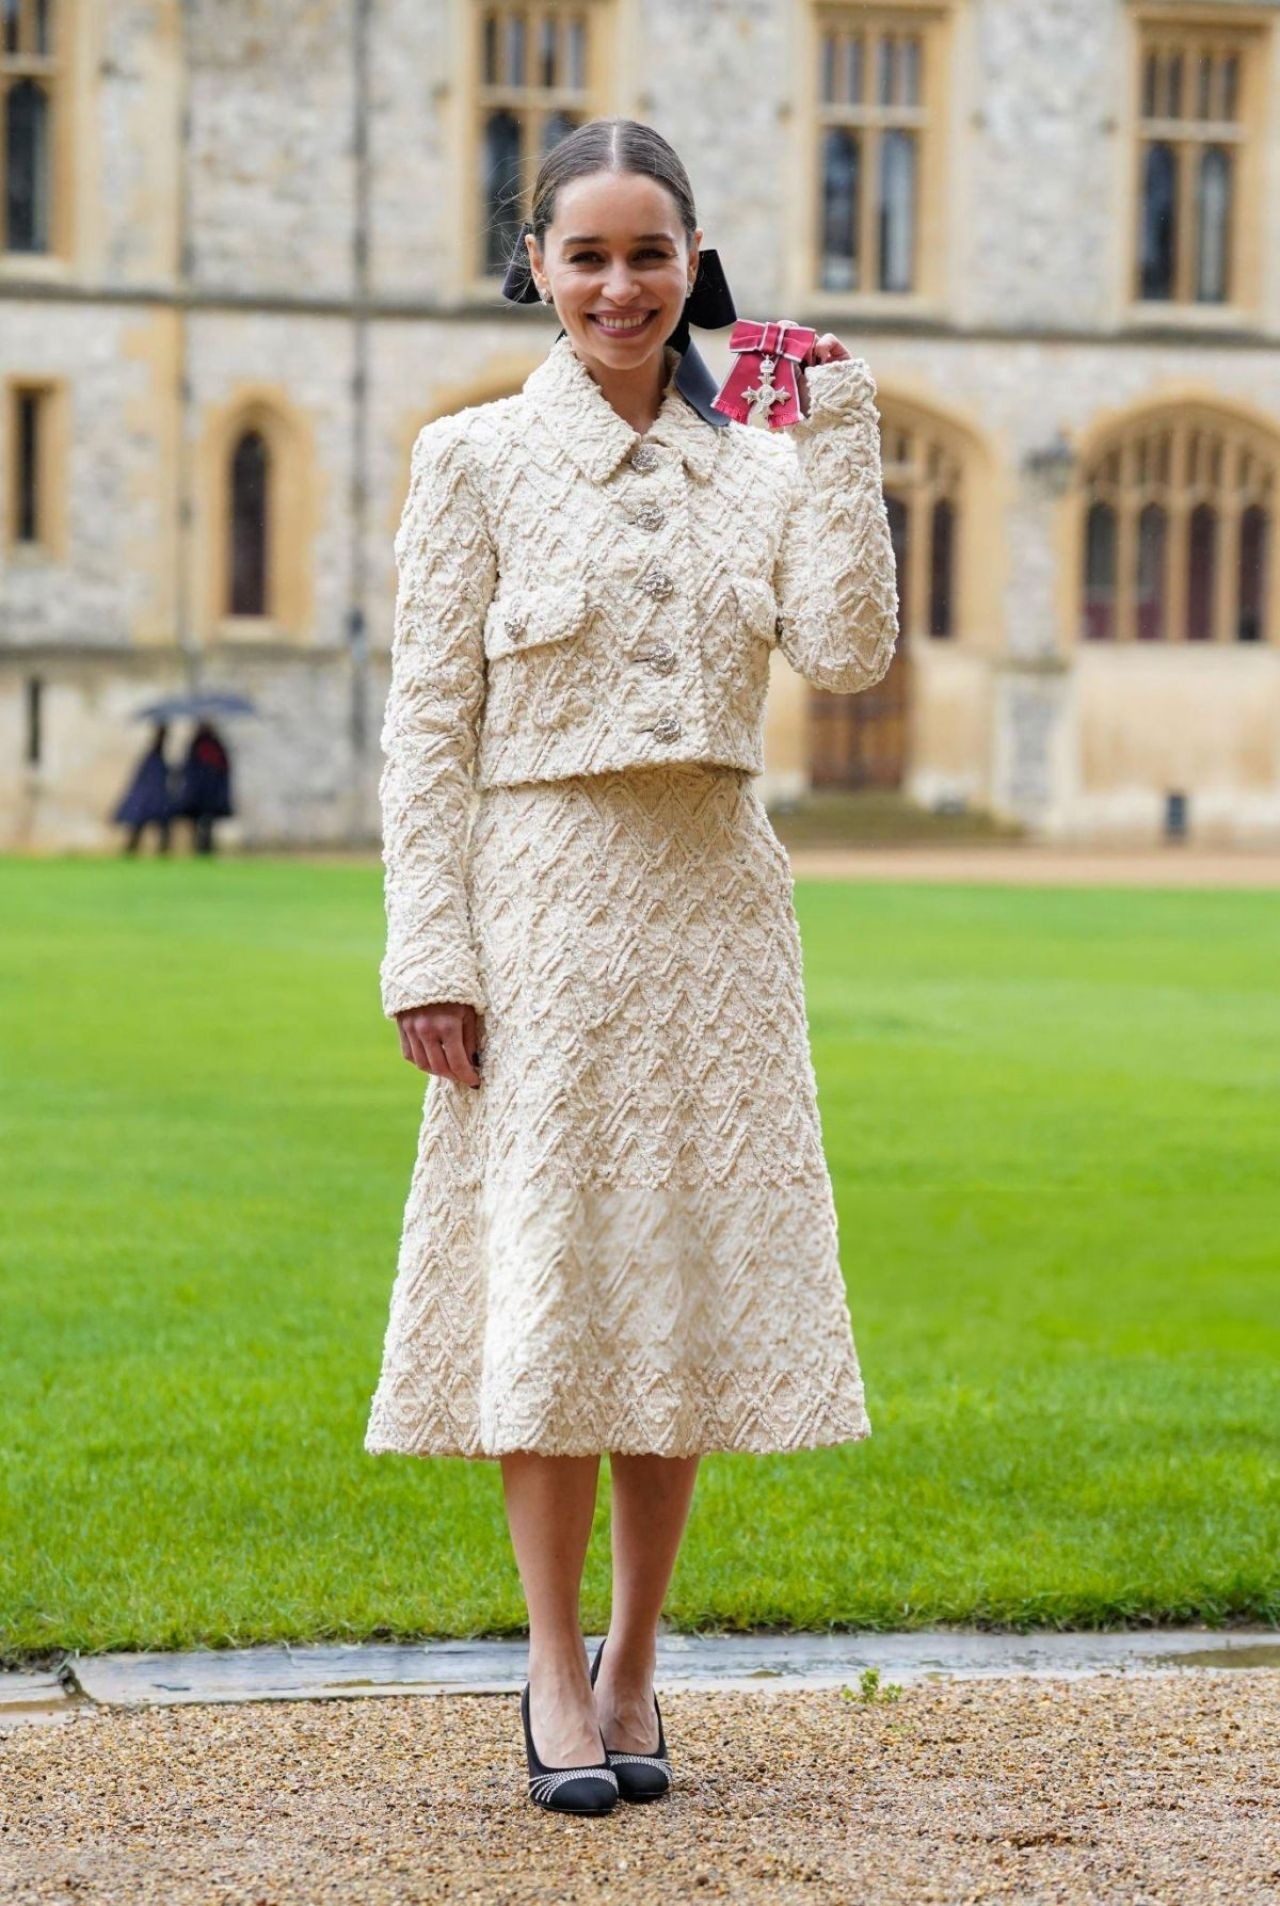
column 210, row 702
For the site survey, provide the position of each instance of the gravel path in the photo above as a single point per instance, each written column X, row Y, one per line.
column 1128, row 1788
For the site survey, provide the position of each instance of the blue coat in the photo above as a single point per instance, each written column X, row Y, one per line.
column 147, row 798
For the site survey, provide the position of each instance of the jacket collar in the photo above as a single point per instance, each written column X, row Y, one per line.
column 589, row 429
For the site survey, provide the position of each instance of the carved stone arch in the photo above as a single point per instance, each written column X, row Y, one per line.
column 1174, row 537
column 260, row 419
column 938, row 474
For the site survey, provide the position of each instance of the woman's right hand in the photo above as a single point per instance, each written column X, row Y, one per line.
column 443, row 1039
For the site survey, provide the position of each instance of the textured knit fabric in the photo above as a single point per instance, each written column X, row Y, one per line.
column 572, row 599
column 625, row 1239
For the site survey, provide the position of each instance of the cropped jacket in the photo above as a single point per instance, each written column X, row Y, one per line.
column 573, row 598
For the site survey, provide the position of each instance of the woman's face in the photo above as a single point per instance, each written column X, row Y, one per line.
column 618, row 266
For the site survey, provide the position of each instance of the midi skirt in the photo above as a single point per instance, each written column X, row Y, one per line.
column 625, row 1238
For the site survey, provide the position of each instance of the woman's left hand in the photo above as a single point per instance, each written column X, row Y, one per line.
column 826, row 350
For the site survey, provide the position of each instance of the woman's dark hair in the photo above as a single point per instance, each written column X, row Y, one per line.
column 610, row 145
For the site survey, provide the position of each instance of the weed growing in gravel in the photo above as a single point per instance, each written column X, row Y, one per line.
column 869, row 1688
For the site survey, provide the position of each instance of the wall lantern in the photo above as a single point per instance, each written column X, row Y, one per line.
column 1053, row 465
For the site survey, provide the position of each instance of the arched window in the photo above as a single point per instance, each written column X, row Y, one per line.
column 1176, row 526
column 534, row 87
column 249, row 592
column 28, row 85
column 860, row 740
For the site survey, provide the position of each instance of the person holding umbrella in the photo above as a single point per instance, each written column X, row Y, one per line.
column 204, row 793
column 201, row 792
column 147, row 800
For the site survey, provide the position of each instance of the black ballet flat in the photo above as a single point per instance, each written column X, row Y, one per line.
column 640, row 1776
column 591, row 1789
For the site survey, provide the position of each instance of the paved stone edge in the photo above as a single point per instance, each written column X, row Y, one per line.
column 743, row 1663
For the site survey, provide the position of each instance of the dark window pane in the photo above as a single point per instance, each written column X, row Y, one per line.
column 1213, row 214
column 27, row 168
column 1253, row 574
column 501, row 189
column 10, row 16
column 853, row 72
column 1159, row 222
column 1152, row 533
column 27, row 515
column 490, row 49
column 1202, row 552
column 547, row 51
column 1100, row 573
column 911, row 72
column 515, row 49
column 841, row 183
column 1175, row 86
column 249, row 526
column 1149, row 86
column 897, row 210
column 887, row 65
column 828, row 82
column 35, row 711
column 899, row 534
column 577, row 54
column 941, row 565
column 1204, row 87
column 44, row 26
column 1230, row 86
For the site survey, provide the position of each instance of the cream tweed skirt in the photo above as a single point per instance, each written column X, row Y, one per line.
column 625, row 1239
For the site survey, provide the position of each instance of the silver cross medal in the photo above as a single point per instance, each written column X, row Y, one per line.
column 764, row 395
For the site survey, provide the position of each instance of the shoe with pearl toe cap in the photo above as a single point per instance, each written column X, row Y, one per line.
column 640, row 1776
column 591, row 1789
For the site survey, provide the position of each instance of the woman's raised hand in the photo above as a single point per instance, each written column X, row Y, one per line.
column 444, row 1040
column 826, row 350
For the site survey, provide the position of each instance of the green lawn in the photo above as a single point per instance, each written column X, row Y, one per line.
column 1053, row 1120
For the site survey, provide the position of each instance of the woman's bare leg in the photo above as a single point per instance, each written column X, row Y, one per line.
column 651, row 1499
column 550, row 1504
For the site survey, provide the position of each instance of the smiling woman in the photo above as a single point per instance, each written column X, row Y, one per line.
column 620, row 1233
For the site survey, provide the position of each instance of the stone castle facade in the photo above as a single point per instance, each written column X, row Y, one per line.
column 251, row 247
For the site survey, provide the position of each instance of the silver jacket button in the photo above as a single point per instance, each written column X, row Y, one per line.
column 662, row 658
column 515, row 624
column 643, row 457
column 666, row 728
column 649, row 517
column 657, row 583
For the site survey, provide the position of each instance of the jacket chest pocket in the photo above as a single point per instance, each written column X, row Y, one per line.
column 540, row 679
column 528, row 617
column 757, row 608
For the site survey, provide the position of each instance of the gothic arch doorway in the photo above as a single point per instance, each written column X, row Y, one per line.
column 860, row 741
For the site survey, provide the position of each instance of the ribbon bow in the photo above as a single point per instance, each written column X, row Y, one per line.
column 769, row 354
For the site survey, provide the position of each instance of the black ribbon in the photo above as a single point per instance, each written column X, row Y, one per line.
column 709, row 305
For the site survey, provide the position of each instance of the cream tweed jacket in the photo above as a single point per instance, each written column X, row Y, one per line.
column 573, row 597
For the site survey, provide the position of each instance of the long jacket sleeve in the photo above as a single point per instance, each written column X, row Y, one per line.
column 446, row 571
column 836, row 580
